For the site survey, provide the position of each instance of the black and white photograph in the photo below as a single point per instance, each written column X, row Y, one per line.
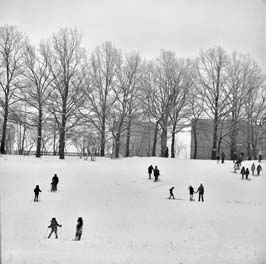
column 133, row 131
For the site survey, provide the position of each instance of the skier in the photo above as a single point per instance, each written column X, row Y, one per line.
column 259, row 169
column 53, row 227
column 55, row 181
column 191, row 192
column 156, row 173
column 171, row 193
column 222, row 156
column 37, row 190
column 260, row 155
column 252, row 168
column 150, row 169
column 247, row 173
column 243, row 172
column 201, row 192
column 79, row 228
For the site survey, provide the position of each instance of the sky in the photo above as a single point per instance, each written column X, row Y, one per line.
column 147, row 26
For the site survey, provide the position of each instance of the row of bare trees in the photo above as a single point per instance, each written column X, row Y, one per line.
column 58, row 92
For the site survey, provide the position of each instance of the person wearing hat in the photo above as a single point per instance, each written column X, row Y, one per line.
column 79, row 228
column 37, row 190
column 53, row 227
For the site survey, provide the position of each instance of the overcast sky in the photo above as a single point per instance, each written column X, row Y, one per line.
column 147, row 26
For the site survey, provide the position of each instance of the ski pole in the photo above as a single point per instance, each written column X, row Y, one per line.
column 46, row 232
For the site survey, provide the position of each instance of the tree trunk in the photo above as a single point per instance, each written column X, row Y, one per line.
column 155, row 140
column 173, row 144
column 39, row 139
column 194, row 127
column 117, row 145
column 164, row 137
column 214, row 140
column 128, row 138
column 62, row 135
column 3, row 140
column 54, row 143
column 233, row 147
column 103, row 138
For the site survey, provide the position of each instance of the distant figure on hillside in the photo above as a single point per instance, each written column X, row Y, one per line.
column 223, row 156
column 79, row 229
column 260, row 156
column 156, row 173
column 238, row 163
column 243, row 172
column 171, row 193
column 37, row 190
column 191, row 192
column 218, row 158
column 253, row 167
column 54, row 183
column 259, row 169
column 247, row 173
column 235, row 167
column 53, row 227
column 150, row 169
column 201, row 192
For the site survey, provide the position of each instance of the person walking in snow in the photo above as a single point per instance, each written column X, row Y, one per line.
column 191, row 192
column 259, row 169
column 243, row 172
column 201, row 192
column 247, row 173
column 150, row 169
column 223, row 156
column 54, row 183
column 37, row 190
column 79, row 229
column 235, row 167
column 53, row 227
column 253, row 168
column 171, row 193
column 260, row 156
column 156, row 173
column 218, row 158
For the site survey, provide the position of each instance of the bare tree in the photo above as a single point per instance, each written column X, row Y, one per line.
column 11, row 52
column 67, row 63
column 37, row 89
column 212, row 74
column 105, row 64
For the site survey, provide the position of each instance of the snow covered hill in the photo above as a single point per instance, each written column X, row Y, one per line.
column 129, row 218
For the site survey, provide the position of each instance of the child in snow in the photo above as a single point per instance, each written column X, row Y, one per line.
column 260, row 156
column 235, row 167
column 79, row 228
column 54, row 183
column 252, row 169
column 53, row 227
column 218, row 158
column 259, row 169
column 191, row 192
column 223, row 156
column 201, row 192
column 247, row 173
column 37, row 190
column 243, row 172
column 171, row 193
column 156, row 173
column 150, row 169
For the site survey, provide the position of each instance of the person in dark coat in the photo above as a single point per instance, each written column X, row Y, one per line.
column 79, row 228
column 253, row 167
column 191, row 192
column 156, row 173
column 218, row 158
column 222, row 157
column 55, row 181
column 201, row 192
column 243, row 172
column 260, row 156
column 247, row 173
column 37, row 190
column 150, row 169
column 53, row 227
column 171, row 193
column 259, row 169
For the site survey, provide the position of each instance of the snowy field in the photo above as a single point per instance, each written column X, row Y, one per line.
column 127, row 217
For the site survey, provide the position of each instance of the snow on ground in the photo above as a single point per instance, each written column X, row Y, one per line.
column 128, row 218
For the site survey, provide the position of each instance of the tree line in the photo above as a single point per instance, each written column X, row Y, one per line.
column 58, row 91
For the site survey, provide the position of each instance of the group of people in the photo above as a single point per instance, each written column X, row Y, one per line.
column 54, row 224
column 245, row 171
column 222, row 157
column 156, row 172
column 37, row 190
column 200, row 190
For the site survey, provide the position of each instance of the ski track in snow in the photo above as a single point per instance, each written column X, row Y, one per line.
column 127, row 217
